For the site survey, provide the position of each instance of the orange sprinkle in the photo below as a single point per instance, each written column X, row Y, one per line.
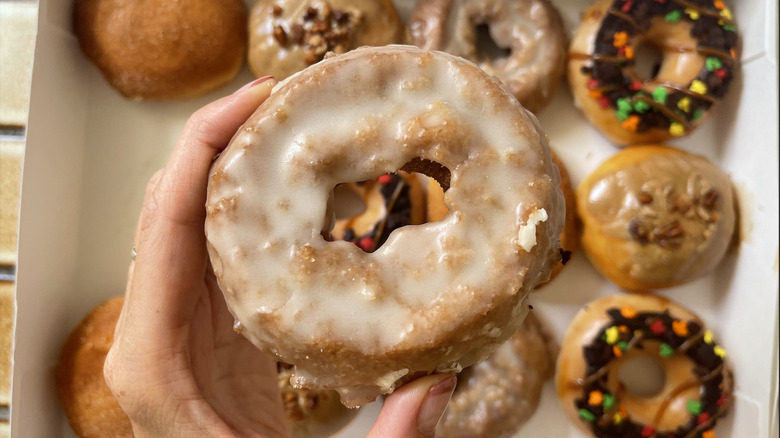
column 708, row 434
column 719, row 4
column 680, row 328
column 617, row 351
column 627, row 312
column 594, row 94
column 629, row 52
column 623, row 329
column 623, row 412
column 595, row 398
column 733, row 53
column 620, row 39
column 631, row 123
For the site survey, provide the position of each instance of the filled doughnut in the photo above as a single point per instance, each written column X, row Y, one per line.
column 163, row 50
column 520, row 42
column 656, row 217
column 89, row 405
column 434, row 297
column 609, row 333
column 699, row 47
column 494, row 398
column 311, row 413
column 288, row 36
column 391, row 201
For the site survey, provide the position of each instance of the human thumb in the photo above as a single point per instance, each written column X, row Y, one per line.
column 414, row 409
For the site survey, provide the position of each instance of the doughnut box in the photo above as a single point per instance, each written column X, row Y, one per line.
column 90, row 152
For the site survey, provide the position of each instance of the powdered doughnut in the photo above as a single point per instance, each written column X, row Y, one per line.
column 163, row 50
column 611, row 331
column 434, row 297
column 496, row 397
column 528, row 33
column 312, row 413
column 288, row 36
column 655, row 217
column 698, row 41
column 392, row 201
column 89, row 405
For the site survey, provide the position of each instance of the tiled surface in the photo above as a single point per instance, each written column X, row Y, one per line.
column 18, row 22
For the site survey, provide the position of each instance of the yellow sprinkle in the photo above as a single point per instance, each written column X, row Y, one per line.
column 612, row 335
column 684, row 104
column 719, row 351
column 693, row 13
column 676, row 129
column 708, row 337
column 617, row 419
column 698, row 86
column 726, row 13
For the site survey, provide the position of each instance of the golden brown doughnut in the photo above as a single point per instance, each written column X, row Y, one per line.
column 288, row 36
column 391, row 201
column 606, row 335
column 655, row 217
column 494, row 398
column 163, row 50
column 91, row 408
column 434, row 297
column 698, row 42
column 530, row 31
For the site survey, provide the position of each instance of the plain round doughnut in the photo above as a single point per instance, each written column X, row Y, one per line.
column 611, row 331
column 494, row 398
column 698, row 43
column 163, row 50
column 530, row 30
column 435, row 297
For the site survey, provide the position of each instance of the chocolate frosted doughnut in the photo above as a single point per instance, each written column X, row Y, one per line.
column 434, row 297
column 496, row 397
column 655, row 217
column 698, row 40
column 609, row 332
column 529, row 31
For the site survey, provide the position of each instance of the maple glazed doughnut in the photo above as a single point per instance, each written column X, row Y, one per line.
column 288, row 36
column 529, row 35
column 612, row 331
column 494, row 398
column 698, row 41
column 655, row 217
column 392, row 201
column 434, row 297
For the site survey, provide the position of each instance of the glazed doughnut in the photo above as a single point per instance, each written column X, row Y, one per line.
column 529, row 35
column 89, row 405
column 288, row 36
column 434, row 297
column 392, row 201
column 494, row 398
column 163, row 50
column 311, row 413
column 608, row 333
column 698, row 40
column 655, row 217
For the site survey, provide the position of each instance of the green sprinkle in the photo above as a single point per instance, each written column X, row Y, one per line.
column 697, row 114
column 641, row 106
column 621, row 115
column 608, row 401
column 730, row 27
column 693, row 406
column 622, row 345
column 666, row 350
column 623, row 105
column 659, row 95
column 713, row 63
column 673, row 17
column 587, row 415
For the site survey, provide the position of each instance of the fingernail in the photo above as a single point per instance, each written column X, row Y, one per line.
column 434, row 405
column 253, row 83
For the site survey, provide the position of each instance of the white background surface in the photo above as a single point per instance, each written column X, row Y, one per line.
column 90, row 152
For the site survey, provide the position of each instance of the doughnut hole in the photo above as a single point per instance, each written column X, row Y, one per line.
column 647, row 61
column 667, row 54
column 642, row 376
column 487, row 47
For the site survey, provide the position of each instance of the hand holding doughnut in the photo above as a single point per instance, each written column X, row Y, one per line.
column 176, row 366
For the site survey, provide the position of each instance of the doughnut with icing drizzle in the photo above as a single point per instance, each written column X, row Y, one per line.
column 699, row 46
column 613, row 330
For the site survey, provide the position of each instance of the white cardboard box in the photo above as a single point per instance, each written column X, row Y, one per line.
column 90, row 152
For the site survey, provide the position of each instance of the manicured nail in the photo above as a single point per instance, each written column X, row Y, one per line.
column 253, row 83
column 434, row 405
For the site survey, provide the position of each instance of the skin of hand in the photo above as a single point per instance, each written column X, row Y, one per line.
column 176, row 367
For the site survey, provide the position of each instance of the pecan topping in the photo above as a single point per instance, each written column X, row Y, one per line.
column 645, row 198
column 280, row 35
column 321, row 31
column 276, row 10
